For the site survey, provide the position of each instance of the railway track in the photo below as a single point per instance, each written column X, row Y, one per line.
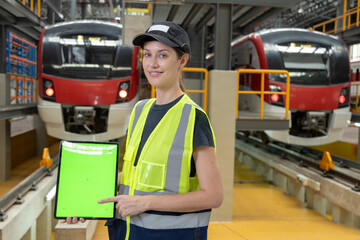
column 345, row 172
column 15, row 196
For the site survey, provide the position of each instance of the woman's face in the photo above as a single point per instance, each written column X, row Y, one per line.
column 162, row 65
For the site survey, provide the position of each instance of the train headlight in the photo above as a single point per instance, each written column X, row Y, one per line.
column 123, row 92
column 124, row 85
column 275, row 98
column 344, row 97
column 48, row 84
column 48, row 90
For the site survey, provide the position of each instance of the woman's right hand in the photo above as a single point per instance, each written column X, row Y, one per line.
column 70, row 220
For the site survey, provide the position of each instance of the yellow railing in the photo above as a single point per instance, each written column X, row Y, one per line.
column 262, row 91
column 356, row 97
column 204, row 91
column 345, row 18
column 23, row 89
column 30, row 4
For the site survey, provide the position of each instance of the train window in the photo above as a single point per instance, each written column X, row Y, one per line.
column 306, row 63
column 357, row 74
column 88, row 57
column 122, row 62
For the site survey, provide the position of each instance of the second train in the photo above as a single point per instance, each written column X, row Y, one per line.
column 319, row 69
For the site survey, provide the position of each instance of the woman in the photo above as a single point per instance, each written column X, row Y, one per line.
column 170, row 178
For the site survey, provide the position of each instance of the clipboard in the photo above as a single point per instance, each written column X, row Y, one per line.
column 87, row 172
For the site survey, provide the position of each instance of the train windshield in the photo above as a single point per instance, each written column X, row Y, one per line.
column 307, row 63
column 87, row 57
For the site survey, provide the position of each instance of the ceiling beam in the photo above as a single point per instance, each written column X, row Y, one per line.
column 174, row 9
column 314, row 19
column 207, row 17
column 248, row 15
column 53, row 7
column 261, row 19
column 192, row 13
column 6, row 15
column 237, row 9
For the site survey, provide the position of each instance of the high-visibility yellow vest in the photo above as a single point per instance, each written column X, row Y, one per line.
column 164, row 163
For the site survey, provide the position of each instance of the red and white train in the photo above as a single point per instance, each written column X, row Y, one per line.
column 319, row 70
column 88, row 80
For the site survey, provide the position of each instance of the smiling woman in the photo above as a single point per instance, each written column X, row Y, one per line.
column 170, row 179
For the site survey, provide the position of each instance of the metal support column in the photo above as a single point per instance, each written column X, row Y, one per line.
column 195, row 80
column 50, row 16
column 223, row 32
column 73, row 10
column 41, row 134
column 358, row 151
column 5, row 148
column 3, row 48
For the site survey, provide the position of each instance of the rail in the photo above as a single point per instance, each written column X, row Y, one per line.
column 354, row 96
column 31, row 4
column 262, row 92
column 204, row 91
column 16, row 194
column 345, row 18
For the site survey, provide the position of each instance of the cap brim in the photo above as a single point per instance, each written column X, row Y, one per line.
column 140, row 39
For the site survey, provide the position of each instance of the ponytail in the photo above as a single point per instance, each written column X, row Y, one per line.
column 180, row 53
column 182, row 87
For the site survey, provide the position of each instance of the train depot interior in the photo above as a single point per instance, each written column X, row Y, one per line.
column 278, row 79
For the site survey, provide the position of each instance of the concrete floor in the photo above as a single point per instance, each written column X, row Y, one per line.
column 263, row 212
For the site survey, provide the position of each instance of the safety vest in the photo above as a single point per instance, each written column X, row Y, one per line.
column 164, row 163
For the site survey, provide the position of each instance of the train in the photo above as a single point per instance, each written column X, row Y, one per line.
column 319, row 69
column 88, row 80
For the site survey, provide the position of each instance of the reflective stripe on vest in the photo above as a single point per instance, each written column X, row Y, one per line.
column 138, row 109
column 176, row 153
column 156, row 221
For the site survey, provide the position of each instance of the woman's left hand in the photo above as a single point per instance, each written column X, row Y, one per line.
column 128, row 205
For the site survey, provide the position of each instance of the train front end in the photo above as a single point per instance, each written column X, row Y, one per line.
column 88, row 81
column 318, row 65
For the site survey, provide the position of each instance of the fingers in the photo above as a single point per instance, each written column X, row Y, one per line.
column 118, row 209
column 73, row 220
column 110, row 199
